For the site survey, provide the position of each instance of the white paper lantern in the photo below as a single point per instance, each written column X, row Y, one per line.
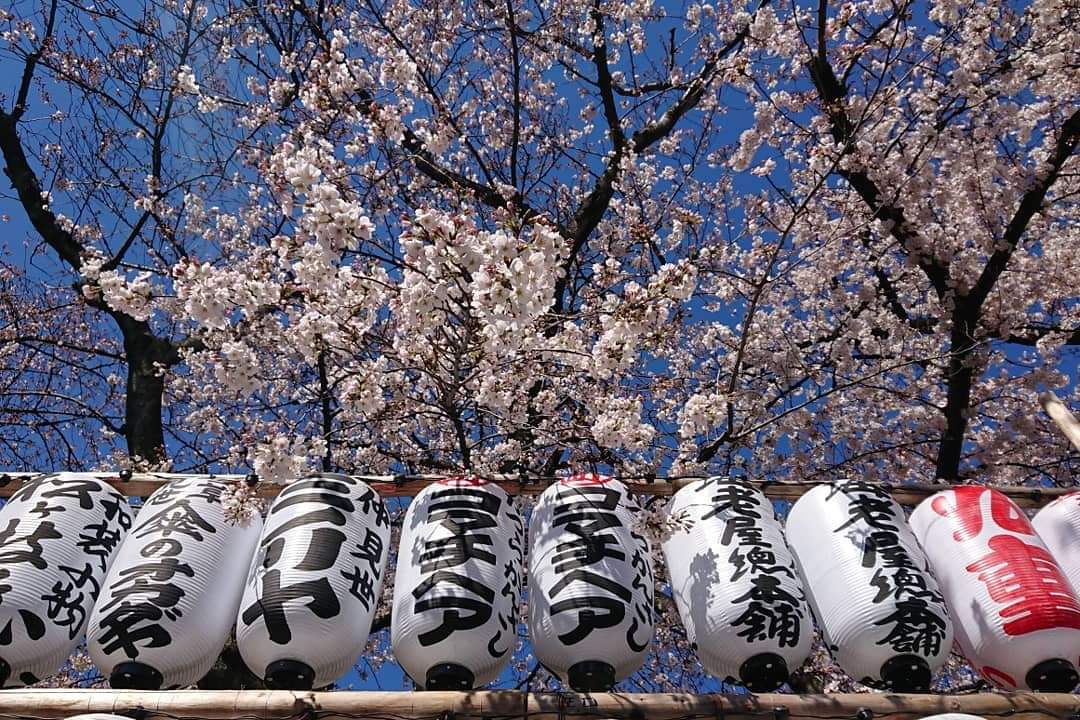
column 315, row 582
column 58, row 535
column 1017, row 617
column 171, row 595
column 735, row 584
column 1058, row 524
column 590, row 583
column 458, row 584
column 868, row 581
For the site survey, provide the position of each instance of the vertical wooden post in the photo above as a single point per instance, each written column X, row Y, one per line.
column 1060, row 414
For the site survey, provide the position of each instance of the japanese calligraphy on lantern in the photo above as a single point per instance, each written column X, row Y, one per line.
column 312, row 592
column 591, row 582
column 58, row 535
column 881, row 611
column 1017, row 616
column 171, row 595
column 735, row 584
column 458, row 584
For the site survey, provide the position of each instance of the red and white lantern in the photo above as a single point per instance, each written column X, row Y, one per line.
column 1058, row 524
column 590, row 583
column 878, row 606
column 1017, row 617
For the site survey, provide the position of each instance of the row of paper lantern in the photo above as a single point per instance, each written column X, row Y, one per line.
column 158, row 595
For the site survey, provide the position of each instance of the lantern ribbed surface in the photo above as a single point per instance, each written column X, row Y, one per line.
column 1017, row 616
column 1058, row 525
column 879, row 607
column 172, row 593
column 458, row 584
column 590, row 583
column 735, row 584
column 315, row 582
column 58, row 536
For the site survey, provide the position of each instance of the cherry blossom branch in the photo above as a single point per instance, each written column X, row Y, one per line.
column 19, row 108
column 515, row 58
column 833, row 389
column 1029, row 205
column 145, row 352
column 595, row 204
column 1031, row 335
column 833, row 94
column 603, row 79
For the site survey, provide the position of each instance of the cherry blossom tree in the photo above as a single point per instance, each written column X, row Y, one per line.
column 473, row 276
column 793, row 241
column 541, row 244
column 103, row 134
column 946, row 136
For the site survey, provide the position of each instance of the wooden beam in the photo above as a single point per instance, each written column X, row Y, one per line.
column 503, row 705
column 144, row 484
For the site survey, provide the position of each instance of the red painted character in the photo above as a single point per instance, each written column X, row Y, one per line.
column 967, row 512
column 1027, row 580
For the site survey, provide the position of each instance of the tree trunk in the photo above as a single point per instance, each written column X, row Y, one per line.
column 145, row 384
column 147, row 357
column 959, row 378
column 230, row 672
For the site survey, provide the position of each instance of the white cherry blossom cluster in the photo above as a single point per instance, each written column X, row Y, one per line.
column 131, row 295
column 654, row 522
column 240, row 503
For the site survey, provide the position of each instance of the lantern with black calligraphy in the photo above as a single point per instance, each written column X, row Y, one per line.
column 457, row 585
column 590, row 583
column 58, row 535
column 171, row 595
column 1058, row 524
column 315, row 582
column 1017, row 617
column 868, row 582
column 735, row 584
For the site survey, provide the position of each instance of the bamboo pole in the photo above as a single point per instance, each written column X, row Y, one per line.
column 144, row 484
column 1060, row 414
column 502, row 705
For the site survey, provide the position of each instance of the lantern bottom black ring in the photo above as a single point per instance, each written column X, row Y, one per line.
column 906, row 673
column 591, row 676
column 763, row 672
column 289, row 675
column 1057, row 676
column 135, row 676
column 449, row 676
